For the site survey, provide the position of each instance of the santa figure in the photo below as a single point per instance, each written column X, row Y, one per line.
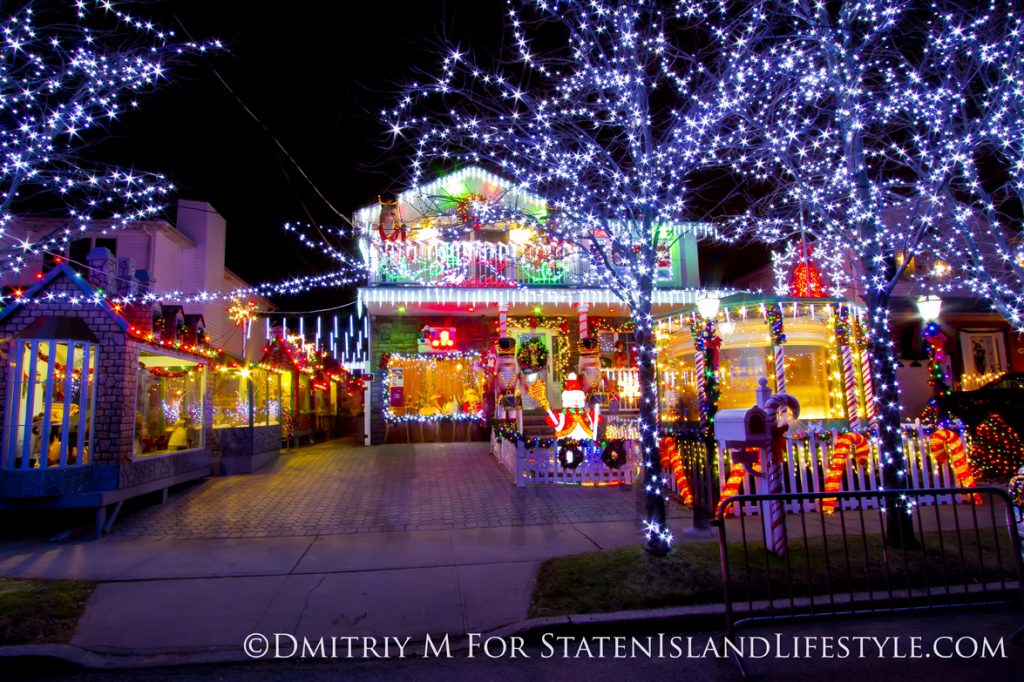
column 574, row 420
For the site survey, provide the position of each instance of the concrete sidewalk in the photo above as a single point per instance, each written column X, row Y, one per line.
column 194, row 596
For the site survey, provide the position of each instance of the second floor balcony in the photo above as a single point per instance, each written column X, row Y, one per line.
column 473, row 264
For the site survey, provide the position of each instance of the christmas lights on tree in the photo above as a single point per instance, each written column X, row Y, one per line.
column 867, row 147
column 64, row 83
column 610, row 128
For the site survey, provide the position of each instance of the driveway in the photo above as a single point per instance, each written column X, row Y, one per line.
column 338, row 487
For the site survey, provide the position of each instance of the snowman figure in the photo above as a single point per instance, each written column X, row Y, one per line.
column 574, row 420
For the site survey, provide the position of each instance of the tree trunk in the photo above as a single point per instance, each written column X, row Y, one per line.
column 900, row 527
column 656, row 531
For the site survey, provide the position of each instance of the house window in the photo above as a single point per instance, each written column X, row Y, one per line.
column 51, row 397
column 169, row 405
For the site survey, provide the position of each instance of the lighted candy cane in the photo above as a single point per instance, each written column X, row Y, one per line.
column 672, row 461
column 699, row 360
column 503, row 320
column 775, row 519
column 856, row 445
column 867, row 377
column 584, row 328
column 737, row 475
column 946, row 444
column 850, row 381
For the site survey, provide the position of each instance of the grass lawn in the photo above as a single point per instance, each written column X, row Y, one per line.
column 40, row 611
column 625, row 579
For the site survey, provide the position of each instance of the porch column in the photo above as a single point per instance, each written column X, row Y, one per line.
column 503, row 320
column 583, row 309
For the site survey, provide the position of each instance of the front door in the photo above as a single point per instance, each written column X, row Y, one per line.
column 546, row 375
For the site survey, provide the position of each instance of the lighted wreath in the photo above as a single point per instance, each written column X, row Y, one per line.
column 532, row 355
column 570, row 454
column 614, row 454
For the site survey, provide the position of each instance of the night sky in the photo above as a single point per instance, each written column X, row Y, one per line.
column 316, row 75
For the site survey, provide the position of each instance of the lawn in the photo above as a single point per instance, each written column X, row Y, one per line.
column 40, row 611
column 627, row 579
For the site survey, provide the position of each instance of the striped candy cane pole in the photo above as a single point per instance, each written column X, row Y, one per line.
column 503, row 320
column 850, row 380
column 867, row 377
column 699, row 359
column 584, row 328
column 780, row 375
column 775, row 519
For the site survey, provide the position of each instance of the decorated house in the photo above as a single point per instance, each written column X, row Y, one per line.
column 100, row 404
column 475, row 314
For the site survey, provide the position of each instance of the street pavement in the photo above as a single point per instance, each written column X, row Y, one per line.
column 299, row 549
column 393, row 542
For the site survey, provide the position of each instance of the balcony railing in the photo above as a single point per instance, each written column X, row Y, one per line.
column 472, row 264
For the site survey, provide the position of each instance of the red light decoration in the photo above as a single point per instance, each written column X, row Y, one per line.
column 805, row 280
column 437, row 340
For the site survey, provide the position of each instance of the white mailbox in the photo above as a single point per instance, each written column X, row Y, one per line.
column 743, row 428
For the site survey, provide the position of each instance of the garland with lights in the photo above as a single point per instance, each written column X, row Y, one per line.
column 937, row 377
column 706, row 343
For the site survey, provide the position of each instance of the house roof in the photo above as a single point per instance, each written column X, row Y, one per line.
column 62, row 269
column 442, row 194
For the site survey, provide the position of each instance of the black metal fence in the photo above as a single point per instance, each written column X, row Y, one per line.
column 966, row 554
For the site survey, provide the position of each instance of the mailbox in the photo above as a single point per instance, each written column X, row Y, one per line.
column 743, row 428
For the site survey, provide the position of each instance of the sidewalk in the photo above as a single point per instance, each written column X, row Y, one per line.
column 194, row 597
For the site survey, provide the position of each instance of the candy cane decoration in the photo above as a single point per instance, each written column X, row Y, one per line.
column 869, row 389
column 775, row 519
column 945, row 444
column 850, row 381
column 780, row 375
column 737, row 475
column 584, row 327
column 699, row 360
column 672, row 461
column 847, row 445
column 503, row 320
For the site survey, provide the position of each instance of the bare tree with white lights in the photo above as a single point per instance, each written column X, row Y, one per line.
column 68, row 71
column 611, row 116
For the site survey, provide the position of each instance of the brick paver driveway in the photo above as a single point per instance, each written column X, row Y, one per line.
column 341, row 488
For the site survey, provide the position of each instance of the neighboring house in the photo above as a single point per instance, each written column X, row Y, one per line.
column 446, row 282
column 186, row 257
column 980, row 344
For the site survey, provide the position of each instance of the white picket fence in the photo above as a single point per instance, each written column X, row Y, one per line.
column 808, row 461
column 539, row 466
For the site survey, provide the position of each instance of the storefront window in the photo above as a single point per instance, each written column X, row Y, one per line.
column 266, row 390
column 231, row 394
column 51, row 398
column 434, row 387
column 305, row 394
column 230, row 398
column 169, row 405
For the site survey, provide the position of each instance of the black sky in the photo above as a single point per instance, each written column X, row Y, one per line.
column 315, row 74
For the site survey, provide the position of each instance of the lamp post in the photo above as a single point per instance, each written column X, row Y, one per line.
column 929, row 308
column 706, row 352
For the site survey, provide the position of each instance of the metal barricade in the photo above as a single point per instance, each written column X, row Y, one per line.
column 962, row 554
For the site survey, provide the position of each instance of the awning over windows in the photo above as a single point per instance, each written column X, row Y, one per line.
column 64, row 328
